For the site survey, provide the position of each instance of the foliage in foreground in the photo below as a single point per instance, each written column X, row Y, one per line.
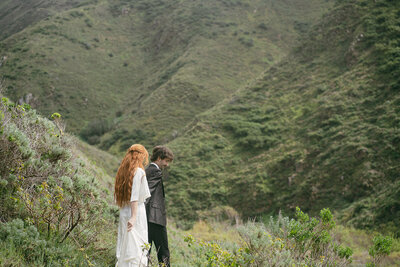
column 303, row 241
column 53, row 210
column 382, row 246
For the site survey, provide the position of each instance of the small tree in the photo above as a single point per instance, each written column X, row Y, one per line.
column 382, row 246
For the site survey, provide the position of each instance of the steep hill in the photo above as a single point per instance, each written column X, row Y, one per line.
column 16, row 15
column 138, row 71
column 56, row 211
column 55, row 200
column 317, row 129
column 320, row 129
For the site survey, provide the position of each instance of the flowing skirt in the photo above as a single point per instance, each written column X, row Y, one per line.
column 132, row 246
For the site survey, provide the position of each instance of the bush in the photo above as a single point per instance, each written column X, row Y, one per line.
column 26, row 241
column 303, row 241
column 117, row 135
column 251, row 134
column 45, row 185
column 25, row 238
column 96, row 127
column 382, row 246
column 246, row 41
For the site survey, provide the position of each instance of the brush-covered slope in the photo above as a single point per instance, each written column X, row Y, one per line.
column 138, row 71
column 56, row 203
column 16, row 15
column 320, row 129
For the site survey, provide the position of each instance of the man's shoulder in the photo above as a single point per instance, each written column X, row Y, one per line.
column 152, row 170
column 150, row 167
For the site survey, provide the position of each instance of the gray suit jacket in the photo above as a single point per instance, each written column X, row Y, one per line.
column 155, row 205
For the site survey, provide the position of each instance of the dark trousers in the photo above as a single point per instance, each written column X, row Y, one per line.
column 158, row 235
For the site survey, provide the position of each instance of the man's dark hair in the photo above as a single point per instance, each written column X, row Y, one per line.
column 161, row 152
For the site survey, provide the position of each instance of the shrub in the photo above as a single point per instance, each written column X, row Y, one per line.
column 76, row 14
column 25, row 238
column 311, row 238
column 96, row 127
column 303, row 241
column 382, row 246
column 44, row 184
column 246, row 41
column 118, row 134
column 26, row 241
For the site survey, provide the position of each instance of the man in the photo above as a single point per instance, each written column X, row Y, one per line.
column 155, row 205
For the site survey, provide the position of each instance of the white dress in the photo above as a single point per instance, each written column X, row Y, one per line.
column 131, row 251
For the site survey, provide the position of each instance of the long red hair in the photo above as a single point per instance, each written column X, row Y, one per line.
column 135, row 157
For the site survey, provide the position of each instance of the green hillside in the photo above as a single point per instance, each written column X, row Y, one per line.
column 56, row 211
column 139, row 71
column 16, row 15
column 268, row 106
column 319, row 129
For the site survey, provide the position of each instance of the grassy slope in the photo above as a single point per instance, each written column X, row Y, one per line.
column 320, row 129
column 98, row 64
column 16, row 15
column 102, row 164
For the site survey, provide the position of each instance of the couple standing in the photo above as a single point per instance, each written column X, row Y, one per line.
column 140, row 195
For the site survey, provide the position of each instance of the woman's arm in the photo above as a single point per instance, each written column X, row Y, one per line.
column 135, row 192
column 132, row 220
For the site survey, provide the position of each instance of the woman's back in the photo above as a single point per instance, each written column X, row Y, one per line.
column 131, row 245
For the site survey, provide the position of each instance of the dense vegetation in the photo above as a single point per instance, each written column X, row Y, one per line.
column 105, row 64
column 257, row 127
column 15, row 15
column 320, row 129
column 54, row 211
column 283, row 242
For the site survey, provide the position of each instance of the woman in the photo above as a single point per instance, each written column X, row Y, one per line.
column 131, row 191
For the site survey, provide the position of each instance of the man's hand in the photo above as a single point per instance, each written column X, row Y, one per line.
column 131, row 223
